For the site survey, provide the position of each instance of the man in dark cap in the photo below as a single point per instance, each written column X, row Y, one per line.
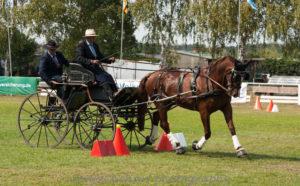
column 51, row 67
column 90, row 57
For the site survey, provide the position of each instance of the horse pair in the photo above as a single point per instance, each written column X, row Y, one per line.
column 205, row 90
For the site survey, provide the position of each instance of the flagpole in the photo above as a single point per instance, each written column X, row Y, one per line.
column 122, row 27
column 238, row 42
column 8, row 39
column 121, row 53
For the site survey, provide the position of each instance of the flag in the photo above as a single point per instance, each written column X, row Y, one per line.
column 2, row 3
column 252, row 4
column 125, row 6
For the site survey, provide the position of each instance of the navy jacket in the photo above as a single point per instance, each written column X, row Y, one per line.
column 48, row 69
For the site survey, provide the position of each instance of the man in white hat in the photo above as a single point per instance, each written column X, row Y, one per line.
column 89, row 56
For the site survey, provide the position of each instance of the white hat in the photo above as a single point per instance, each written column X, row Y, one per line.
column 90, row 33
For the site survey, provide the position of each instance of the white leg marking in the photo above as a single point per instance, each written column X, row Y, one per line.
column 154, row 134
column 201, row 143
column 236, row 142
column 172, row 139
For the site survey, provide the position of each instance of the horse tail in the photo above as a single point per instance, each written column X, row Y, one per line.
column 142, row 97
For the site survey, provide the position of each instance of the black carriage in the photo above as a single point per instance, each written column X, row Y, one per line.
column 45, row 120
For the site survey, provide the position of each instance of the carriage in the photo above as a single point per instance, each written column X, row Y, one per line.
column 45, row 120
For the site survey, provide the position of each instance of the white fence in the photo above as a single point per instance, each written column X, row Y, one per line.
column 131, row 70
column 245, row 97
column 280, row 99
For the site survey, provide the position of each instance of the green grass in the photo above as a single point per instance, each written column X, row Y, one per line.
column 270, row 139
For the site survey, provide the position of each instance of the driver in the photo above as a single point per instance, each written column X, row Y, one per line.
column 90, row 57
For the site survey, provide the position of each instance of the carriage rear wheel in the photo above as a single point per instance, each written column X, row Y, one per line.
column 43, row 120
column 93, row 121
column 136, row 139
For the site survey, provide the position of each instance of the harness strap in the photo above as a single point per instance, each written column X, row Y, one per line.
column 206, row 94
column 196, row 72
column 180, row 81
column 207, row 80
column 157, row 82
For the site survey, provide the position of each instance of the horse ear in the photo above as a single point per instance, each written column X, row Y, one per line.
column 240, row 66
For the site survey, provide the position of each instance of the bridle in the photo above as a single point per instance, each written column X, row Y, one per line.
column 230, row 84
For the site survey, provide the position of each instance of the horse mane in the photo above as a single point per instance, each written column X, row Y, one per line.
column 219, row 60
column 170, row 69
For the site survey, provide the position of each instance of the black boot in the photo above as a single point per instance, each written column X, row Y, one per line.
column 109, row 91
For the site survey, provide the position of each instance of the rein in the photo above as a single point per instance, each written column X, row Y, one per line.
column 218, row 84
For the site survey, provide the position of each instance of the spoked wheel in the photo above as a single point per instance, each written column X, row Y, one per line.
column 136, row 139
column 69, row 139
column 93, row 121
column 43, row 120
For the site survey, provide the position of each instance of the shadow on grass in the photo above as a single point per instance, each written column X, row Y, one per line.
column 251, row 156
column 191, row 152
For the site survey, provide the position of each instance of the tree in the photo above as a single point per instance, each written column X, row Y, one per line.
column 22, row 47
column 22, row 51
column 282, row 23
column 164, row 20
column 66, row 21
column 217, row 24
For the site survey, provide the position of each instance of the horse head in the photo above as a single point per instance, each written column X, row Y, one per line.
column 235, row 76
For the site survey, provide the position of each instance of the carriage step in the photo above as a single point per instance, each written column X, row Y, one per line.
column 52, row 108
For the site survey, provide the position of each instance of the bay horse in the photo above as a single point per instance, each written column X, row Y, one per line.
column 205, row 90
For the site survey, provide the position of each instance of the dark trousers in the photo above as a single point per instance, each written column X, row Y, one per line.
column 103, row 78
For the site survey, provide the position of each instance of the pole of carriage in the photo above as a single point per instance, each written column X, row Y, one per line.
column 238, row 37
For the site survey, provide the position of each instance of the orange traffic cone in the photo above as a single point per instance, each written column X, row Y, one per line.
column 164, row 144
column 270, row 106
column 257, row 105
column 103, row 148
column 120, row 144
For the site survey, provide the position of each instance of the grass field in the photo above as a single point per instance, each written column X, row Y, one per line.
column 272, row 141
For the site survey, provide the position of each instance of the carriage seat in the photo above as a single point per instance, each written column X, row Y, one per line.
column 42, row 84
column 79, row 74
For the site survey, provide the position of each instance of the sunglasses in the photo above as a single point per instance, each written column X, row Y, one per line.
column 52, row 49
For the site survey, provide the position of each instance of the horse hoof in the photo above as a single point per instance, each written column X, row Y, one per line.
column 148, row 142
column 194, row 145
column 241, row 153
column 180, row 150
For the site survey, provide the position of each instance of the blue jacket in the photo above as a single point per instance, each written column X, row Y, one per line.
column 48, row 69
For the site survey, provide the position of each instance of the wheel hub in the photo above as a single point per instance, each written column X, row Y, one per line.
column 130, row 125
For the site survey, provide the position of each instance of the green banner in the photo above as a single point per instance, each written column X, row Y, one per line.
column 17, row 85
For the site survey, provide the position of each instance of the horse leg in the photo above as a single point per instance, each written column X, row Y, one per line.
column 154, row 134
column 227, row 111
column 198, row 145
column 165, row 126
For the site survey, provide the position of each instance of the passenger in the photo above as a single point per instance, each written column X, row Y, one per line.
column 51, row 68
column 90, row 57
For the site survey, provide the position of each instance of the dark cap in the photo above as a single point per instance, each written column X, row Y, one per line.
column 52, row 44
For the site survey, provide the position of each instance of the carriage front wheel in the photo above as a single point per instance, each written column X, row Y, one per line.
column 43, row 120
column 93, row 121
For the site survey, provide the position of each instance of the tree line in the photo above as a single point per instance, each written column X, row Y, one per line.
column 212, row 25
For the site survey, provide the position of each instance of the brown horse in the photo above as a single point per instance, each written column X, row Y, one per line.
column 205, row 90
